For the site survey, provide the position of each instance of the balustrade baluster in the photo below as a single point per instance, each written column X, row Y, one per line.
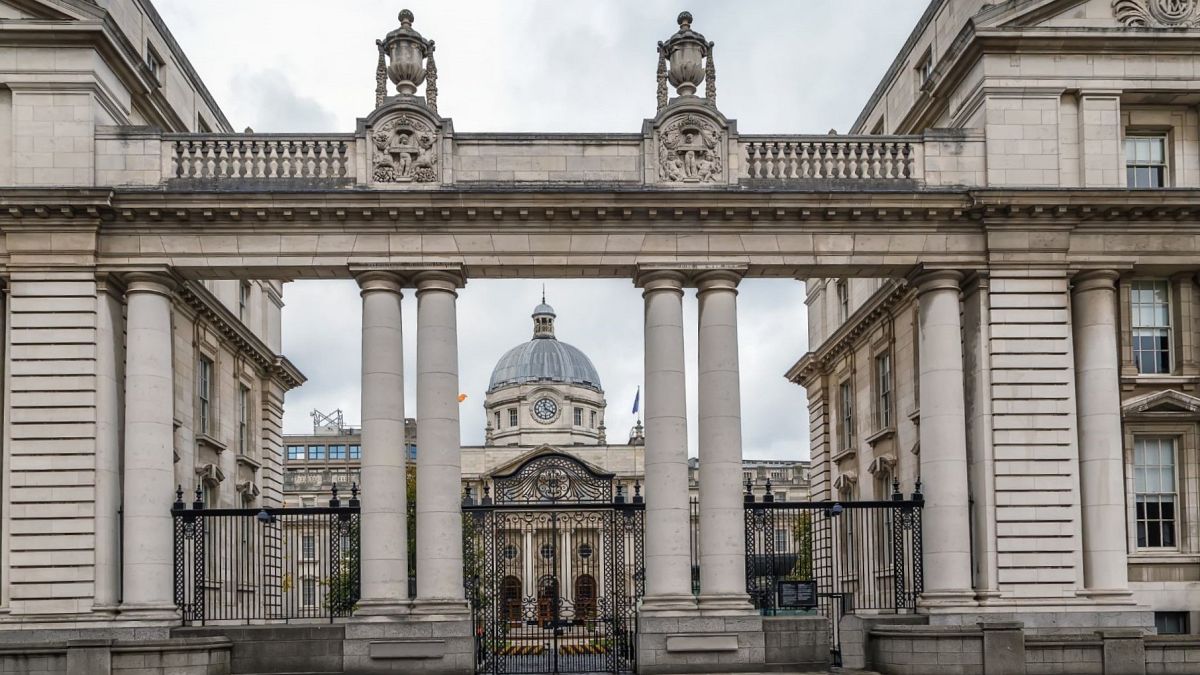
column 220, row 159
column 790, row 167
column 804, row 169
column 907, row 161
column 876, row 164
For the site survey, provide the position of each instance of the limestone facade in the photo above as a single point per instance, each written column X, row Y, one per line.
column 1060, row 437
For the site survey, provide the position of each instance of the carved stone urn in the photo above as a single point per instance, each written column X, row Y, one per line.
column 406, row 51
column 686, row 51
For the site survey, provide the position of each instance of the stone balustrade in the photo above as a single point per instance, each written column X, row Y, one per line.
column 832, row 158
column 143, row 156
column 231, row 157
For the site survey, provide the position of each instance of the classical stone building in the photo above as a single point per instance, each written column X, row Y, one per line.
column 1023, row 180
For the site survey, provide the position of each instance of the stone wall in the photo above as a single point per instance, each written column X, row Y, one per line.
column 199, row 656
column 278, row 649
column 1007, row 648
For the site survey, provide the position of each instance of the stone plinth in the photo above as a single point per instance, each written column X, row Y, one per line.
column 410, row 646
column 714, row 644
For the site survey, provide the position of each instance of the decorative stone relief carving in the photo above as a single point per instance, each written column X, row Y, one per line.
column 690, row 149
column 1157, row 13
column 406, row 151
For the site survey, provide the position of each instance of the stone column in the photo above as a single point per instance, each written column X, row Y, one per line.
column 1101, row 467
column 439, row 448
column 384, row 530
column 110, row 365
column 149, row 451
column 722, row 517
column 946, row 528
column 668, row 561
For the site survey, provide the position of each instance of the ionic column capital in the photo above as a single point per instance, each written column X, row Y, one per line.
column 1095, row 280
column 927, row 281
column 718, row 280
column 447, row 281
column 379, row 280
column 660, row 280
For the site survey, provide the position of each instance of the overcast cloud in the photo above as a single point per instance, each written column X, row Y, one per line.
column 784, row 66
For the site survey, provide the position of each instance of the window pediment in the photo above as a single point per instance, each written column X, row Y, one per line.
column 1169, row 403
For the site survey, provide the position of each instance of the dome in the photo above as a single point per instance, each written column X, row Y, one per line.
column 544, row 360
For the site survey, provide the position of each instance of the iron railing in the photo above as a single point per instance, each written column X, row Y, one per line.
column 863, row 555
column 268, row 564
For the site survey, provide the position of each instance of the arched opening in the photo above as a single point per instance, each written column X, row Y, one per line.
column 510, row 598
column 585, row 597
column 547, row 600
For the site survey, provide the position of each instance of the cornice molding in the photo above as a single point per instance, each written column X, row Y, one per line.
column 206, row 306
column 863, row 320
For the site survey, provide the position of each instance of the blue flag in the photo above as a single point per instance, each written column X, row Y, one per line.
column 637, row 401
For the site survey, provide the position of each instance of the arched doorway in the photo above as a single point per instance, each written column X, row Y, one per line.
column 510, row 599
column 547, row 601
column 585, row 597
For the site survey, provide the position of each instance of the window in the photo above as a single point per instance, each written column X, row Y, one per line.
column 747, row 477
column 843, row 300
column 308, row 547
column 781, row 540
column 295, row 452
column 355, row 452
column 846, row 533
column 337, row 452
column 1154, row 492
column 155, row 64
column 244, row 421
column 308, row 592
column 497, row 419
column 593, row 420
column 579, row 417
column 925, row 68
column 1171, row 623
column 316, row 452
column 547, row 551
column 512, row 417
column 1146, row 161
column 244, row 301
column 308, row 502
column 780, row 496
column 1150, row 310
column 846, row 417
column 883, row 391
column 204, row 386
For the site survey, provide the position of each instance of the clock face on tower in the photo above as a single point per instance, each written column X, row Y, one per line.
column 545, row 409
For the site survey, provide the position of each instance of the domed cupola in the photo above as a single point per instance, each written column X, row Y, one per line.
column 544, row 391
column 544, row 359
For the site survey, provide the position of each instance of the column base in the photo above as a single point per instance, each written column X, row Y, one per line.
column 668, row 605
column 151, row 614
column 382, row 610
column 936, row 601
column 731, row 604
column 440, row 609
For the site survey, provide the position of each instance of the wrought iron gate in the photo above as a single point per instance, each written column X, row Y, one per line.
column 554, row 570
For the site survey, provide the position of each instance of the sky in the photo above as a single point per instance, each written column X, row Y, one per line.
column 783, row 66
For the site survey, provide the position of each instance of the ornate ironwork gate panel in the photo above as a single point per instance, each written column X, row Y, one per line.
column 554, row 570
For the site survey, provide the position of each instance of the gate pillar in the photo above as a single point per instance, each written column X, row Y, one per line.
column 384, row 527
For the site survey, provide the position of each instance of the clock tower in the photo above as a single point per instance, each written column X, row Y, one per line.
column 545, row 392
